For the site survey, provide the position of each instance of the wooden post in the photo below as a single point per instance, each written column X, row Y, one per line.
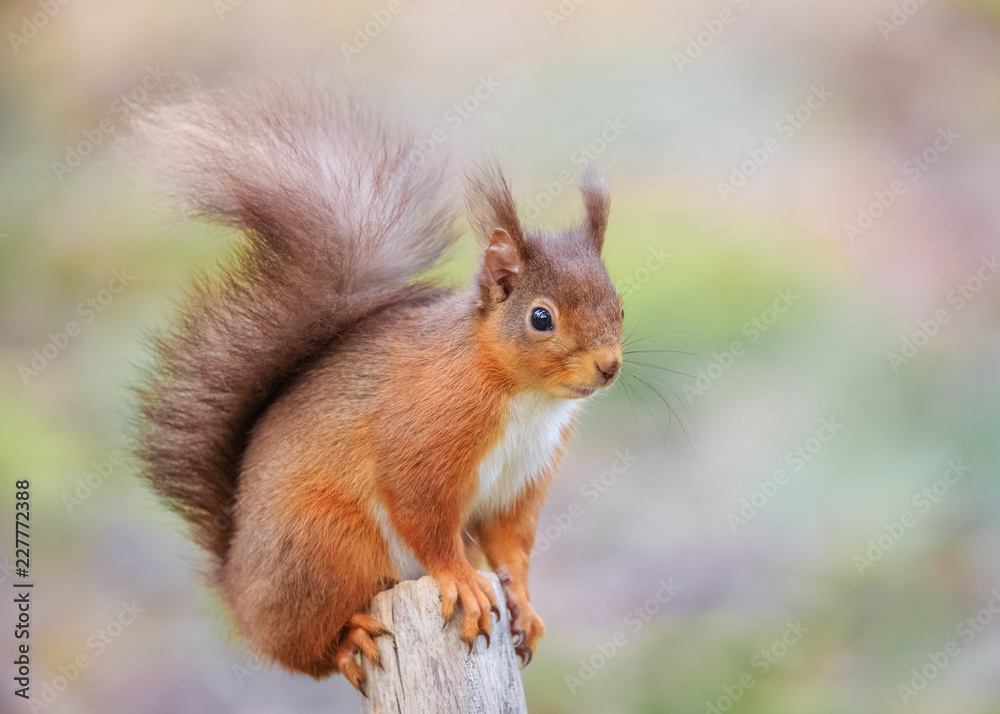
column 428, row 669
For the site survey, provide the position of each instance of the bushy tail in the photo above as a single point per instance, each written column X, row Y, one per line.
column 336, row 220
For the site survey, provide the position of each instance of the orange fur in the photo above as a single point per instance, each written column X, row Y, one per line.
column 325, row 425
column 384, row 438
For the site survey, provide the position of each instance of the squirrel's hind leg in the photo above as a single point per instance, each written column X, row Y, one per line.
column 358, row 638
column 302, row 570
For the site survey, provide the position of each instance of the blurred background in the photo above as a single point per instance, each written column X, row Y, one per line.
column 789, row 503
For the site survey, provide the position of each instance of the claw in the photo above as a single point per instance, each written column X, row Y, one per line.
column 357, row 640
column 519, row 636
column 525, row 657
column 470, row 647
column 495, row 610
column 487, row 636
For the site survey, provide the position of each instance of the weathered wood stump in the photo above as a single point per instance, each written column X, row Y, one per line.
column 429, row 670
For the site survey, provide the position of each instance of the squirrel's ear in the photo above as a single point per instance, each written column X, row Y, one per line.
column 597, row 204
column 493, row 216
column 502, row 264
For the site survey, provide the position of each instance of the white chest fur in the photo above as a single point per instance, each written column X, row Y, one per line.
column 532, row 433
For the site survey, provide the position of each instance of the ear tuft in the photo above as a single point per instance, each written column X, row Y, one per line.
column 596, row 203
column 491, row 204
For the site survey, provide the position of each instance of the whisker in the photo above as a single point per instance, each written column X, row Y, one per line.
column 694, row 427
column 632, row 331
column 701, row 358
column 669, row 408
column 650, row 365
column 677, row 332
column 708, row 379
column 630, row 393
column 652, row 416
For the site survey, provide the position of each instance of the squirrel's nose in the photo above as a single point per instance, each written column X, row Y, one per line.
column 608, row 367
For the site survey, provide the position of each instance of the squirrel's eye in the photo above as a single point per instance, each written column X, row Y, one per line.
column 541, row 319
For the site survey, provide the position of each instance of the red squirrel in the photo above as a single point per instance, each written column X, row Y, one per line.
column 327, row 423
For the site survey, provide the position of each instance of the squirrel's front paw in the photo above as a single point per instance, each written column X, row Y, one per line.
column 475, row 594
column 526, row 627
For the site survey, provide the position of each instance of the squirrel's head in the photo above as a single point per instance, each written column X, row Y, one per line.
column 546, row 301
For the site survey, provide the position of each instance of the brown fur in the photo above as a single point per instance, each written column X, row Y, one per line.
column 336, row 221
column 298, row 405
